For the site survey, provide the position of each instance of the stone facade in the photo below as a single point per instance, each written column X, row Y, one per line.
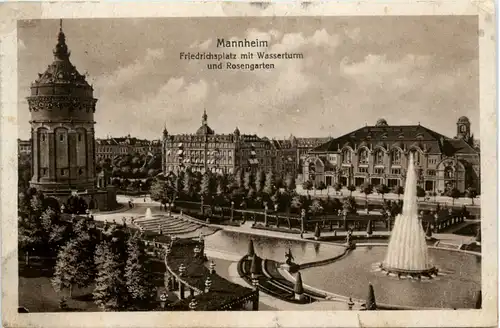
column 62, row 110
column 379, row 155
column 225, row 153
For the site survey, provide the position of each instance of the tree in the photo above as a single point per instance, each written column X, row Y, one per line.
column 338, row 187
column 205, row 185
column 67, row 268
column 351, row 188
column 382, row 189
column 159, row 191
column 189, row 183
column 296, row 203
column 290, row 182
column 138, row 274
column 316, row 207
column 260, row 180
column 239, row 179
column 349, row 205
column 269, row 185
column 321, row 186
column 75, row 262
column 307, row 185
column 111, row 292
column 398, row 190
column 249, row 181
column 367, row 189
column 454, row 193
column 471, row 193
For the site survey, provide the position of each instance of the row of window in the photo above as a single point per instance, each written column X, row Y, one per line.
column 43, row 137
column 63, row 172
column 379, row 155
column 448, row 171
column 200, row 145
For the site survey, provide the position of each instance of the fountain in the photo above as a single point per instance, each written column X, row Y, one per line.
column 148, row 214
column 407, row 252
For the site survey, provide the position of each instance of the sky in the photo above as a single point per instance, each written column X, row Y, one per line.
column 408, row 70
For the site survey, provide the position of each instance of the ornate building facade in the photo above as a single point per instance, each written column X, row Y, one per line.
column 62, row 110
column 379, row 155
column 225, row 153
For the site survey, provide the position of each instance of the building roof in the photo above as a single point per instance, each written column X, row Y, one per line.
column 204, row 129
column 463, row 119
column 128, row 141
column 403, row 136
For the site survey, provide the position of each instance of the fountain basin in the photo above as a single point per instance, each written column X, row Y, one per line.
column 455, row 286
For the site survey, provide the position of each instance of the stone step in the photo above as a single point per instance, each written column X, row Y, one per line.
column 167, row 225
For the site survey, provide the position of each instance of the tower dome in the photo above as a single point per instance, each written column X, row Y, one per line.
column 204, row 129
column 381, row 122
column 463, row 119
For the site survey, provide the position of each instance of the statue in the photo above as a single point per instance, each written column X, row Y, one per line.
column 289, row 257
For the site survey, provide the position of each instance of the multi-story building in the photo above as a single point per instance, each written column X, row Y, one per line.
column 111, row 147
column 62, row 109
column 224, row 153
column 379, row 155
column 23, row 147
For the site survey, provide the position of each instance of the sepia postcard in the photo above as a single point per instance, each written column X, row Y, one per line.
column 249, row 164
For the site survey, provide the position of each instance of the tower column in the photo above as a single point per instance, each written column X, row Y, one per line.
column 51, row 156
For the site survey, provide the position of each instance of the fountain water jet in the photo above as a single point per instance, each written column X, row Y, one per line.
column 407, row 252
column 148, row 214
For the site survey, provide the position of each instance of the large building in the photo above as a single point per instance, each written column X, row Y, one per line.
column 111, row 147
column 62, row 110
column 225, row 153
column 379, row 155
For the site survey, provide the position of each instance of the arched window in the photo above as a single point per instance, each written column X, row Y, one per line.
column 346, row 156
column 396, row 157
column 363, row 156
column 379, row 157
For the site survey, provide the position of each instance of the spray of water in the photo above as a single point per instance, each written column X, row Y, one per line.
column 407, row 251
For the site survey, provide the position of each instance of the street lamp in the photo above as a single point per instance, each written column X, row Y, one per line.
column 197, row 251
column 208, row 284
column 212, row 267
column 182, row 270
column 255, row 282
column 193, row 304
column 163, row 300
column 350, row 304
